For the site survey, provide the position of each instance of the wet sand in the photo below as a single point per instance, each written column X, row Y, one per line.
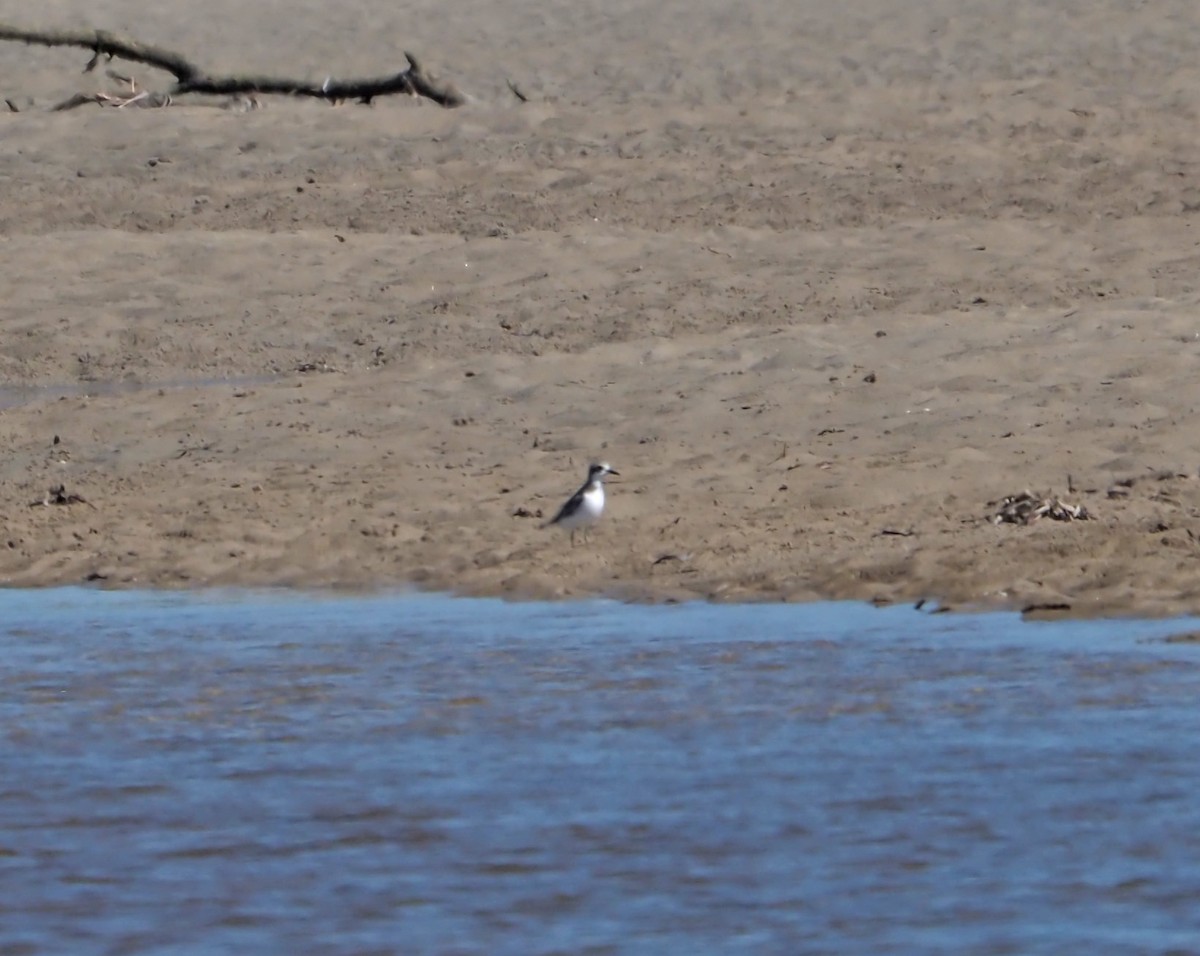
column 821, row 280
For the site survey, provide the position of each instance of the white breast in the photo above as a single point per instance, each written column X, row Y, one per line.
column 589, row 511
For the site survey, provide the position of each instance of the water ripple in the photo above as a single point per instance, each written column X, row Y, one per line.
column 270, row 772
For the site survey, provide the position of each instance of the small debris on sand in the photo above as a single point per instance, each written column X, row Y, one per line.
column 58, row 495
column 1027, row 507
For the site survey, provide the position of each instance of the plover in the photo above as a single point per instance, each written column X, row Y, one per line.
column 585, row 507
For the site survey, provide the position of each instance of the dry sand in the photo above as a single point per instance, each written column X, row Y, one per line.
column 820, row 279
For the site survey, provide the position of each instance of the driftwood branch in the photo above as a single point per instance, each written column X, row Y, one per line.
column 190, row 78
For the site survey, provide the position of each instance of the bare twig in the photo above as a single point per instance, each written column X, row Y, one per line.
column 105, row 44
column 190, row 78
column 145, row 98
column 79, row 99
column 517, row 92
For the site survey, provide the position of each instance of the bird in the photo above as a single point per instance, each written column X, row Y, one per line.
column 585, row 507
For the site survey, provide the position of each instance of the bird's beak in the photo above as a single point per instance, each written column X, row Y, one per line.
column 613, row 471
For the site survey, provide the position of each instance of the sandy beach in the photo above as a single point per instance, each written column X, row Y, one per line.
column 825, row 282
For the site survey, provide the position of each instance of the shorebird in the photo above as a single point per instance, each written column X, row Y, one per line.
column 584, row 508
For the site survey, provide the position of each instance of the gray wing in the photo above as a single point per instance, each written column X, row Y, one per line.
column 573, row 504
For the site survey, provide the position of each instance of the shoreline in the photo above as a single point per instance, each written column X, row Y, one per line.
column 144, row 519
column 820, row 284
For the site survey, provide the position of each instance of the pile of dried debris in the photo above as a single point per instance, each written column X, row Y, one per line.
column 1027, row 507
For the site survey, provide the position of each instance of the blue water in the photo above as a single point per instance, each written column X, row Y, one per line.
column 274, row 772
